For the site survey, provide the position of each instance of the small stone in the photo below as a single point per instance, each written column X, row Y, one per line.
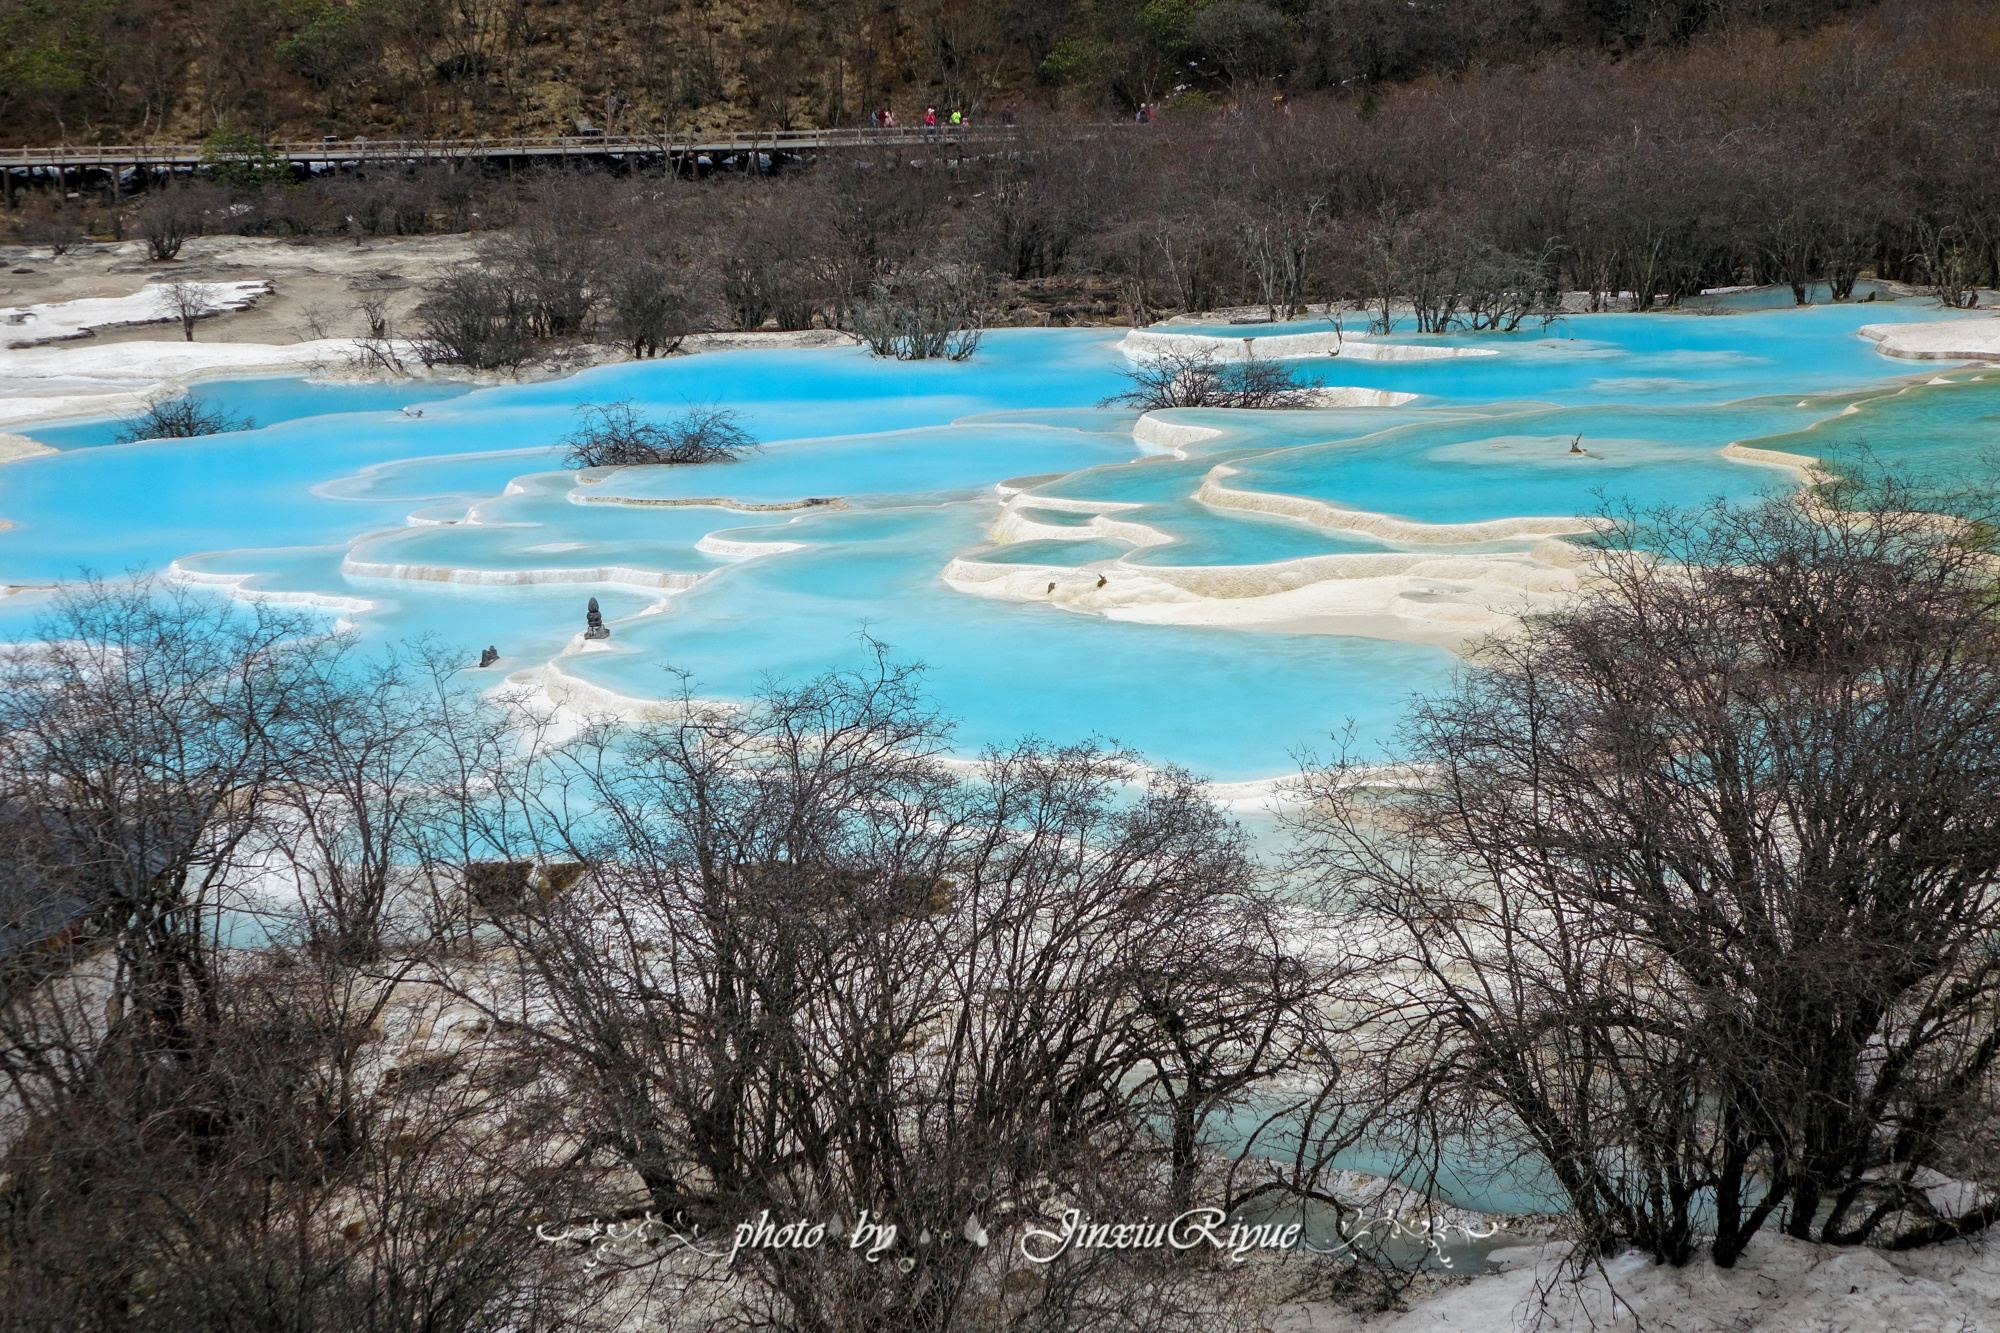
column 593, row 620
column 489, row 657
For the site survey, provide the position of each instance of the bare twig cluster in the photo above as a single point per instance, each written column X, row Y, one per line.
column 1694, row 904
column 185, row 302
column 319, row 996
column 1198, row 378
column 619, row 435
column 180, row 417
column 915, row 316
column 332, row 991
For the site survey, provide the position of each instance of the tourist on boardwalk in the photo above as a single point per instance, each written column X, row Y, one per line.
column 930, row 122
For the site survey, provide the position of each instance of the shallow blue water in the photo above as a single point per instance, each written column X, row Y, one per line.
column 1661, row 358
column 462, row 523
column 266, row 400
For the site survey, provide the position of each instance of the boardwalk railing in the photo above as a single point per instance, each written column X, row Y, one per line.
column 593, row 145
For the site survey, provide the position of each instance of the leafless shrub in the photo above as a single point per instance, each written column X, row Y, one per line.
column 55, row 223
column 617, row 435
column 474, row 318
column 186, row 302
column 815, row 973
column 649, row 304
column 315, row 323
column 1198, row 378
column 181, row 417
column 1687, row 906
column 169, row 217
column 932, row 312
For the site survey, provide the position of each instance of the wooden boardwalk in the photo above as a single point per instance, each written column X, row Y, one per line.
column 330, row 153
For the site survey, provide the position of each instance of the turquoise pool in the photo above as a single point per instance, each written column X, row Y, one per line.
column 462, row 523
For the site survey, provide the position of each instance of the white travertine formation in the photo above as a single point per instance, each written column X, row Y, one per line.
column 1938, row 340
column 625, row 574
column 1416, row 596
column 13, row 447
column 59, row 321
column 1323, row 514
column 1780, row 1285
column 1352, row 346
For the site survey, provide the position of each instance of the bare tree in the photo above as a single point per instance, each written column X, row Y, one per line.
column 476, row 318
column 315, row 323
column 617, row 435
column 169, row 217
column 55, row 223
column 219, row 1128
column 181, row 417
column 1198, row 378
column 649, row 304
column 373, row 307
column 768, row 270
column 933, row 311
column 1949, row 265
column 810, row 971
column 186, row 302
column 1692, row 897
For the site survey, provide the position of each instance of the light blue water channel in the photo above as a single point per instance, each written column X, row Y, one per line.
column 265, row 400
column 431, row 524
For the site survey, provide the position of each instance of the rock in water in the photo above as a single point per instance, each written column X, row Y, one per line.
column 489, row 657
column 594, row 626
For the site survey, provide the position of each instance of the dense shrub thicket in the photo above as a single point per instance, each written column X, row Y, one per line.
column 1687, row 896
column 1868, row 146
column 1696, row 895
column 785, row 960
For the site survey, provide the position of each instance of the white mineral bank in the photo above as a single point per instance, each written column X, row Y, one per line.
column 106, row 379
column 49, row 370
column 20, row 446
column 1354, row 346
column 1976, row 339
column 58, row 321
column 1780, row 1286
column 1411, row 596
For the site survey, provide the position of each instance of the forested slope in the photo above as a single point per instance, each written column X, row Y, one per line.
column 119, row 70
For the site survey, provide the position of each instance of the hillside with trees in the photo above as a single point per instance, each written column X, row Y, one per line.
column 1868, row 148
column 116, row 71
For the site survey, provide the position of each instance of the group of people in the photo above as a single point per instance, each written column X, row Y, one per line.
column 885, row 119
